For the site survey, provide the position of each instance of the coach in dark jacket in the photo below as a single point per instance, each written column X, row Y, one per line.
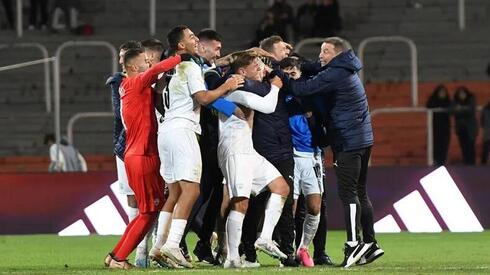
column 346, row 112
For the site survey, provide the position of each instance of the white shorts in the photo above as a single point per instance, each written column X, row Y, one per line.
column 122, row 178
column 180, row 156
column 247, row 174
column 308, row 175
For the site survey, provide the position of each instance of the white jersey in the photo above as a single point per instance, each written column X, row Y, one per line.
column 181, row 109
column 235, row 135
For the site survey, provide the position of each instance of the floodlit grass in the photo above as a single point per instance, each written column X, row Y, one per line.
column 449, row 253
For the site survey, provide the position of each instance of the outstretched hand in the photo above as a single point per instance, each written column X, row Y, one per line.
column 234, row 82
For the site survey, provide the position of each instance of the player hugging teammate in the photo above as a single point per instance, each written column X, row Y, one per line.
column 258, row 119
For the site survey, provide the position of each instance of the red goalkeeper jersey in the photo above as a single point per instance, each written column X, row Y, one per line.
column 138, row 109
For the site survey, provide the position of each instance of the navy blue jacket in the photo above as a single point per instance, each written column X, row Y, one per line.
column 119, row 135
column 271, row 135
column 344, row 104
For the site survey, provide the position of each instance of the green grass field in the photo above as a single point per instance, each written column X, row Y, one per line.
column 449, row 253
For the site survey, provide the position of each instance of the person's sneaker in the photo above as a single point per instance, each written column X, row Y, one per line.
column 352, row 254
column 270, row 248
column 322, row 259
column 304, row 257
column 107, row 260
column 160, row 260
column 220, row 257
column 120, row 265
column 203, row 253
column 373, row 253
column 175, row 254
column 248, row 264
column 141, row 262
column 290, row 261
column 233, row 264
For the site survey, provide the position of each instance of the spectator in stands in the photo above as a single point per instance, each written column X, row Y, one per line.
column 283, row 16
column 69, row 159
column 268, row 26
column 41, row 7
column 69, row 10
column 485, row 124
column 9, row 12
column 440, row 124
column 327, row 20
column 464, row 107
column 305, row 24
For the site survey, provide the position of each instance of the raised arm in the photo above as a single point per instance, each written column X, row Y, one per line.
column 149, row 76
column 322, row 82
column 266, row 104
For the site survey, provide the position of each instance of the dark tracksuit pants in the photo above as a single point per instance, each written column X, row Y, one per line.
column 320, row 239
column 284, row 231
column 351, row 170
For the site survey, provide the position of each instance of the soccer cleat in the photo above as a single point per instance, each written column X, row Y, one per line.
column 352, row 254
column 162, row 261
column 141, row 262
column 107, row 260
column 304, row 257
column 120, row 265
column 322, row 259
column 270, row 248
column 233, row 264
column 373, row 253
column 290, row 261
column 175, row 254
column 247, row 264
column 203, row 253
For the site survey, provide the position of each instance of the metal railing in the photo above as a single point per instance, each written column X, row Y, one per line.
column 57, row 77
column 46, row 58
column 461, row 15
column 18, row 26
column 430, row 112
column 413, row 60
column 78, row 116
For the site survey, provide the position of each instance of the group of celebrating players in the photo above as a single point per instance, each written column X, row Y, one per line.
column 225, row 144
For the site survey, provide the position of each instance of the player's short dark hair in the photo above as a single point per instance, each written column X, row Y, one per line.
column 289, row 62
column 209, row 34
column 242, row 59
column 131, row 54
column 339, row 44
column 49, row 138
column 130, row 44
column 267, row 44
column 153, row 44
column 174, row 36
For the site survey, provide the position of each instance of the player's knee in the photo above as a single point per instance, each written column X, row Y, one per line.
column 240, row 204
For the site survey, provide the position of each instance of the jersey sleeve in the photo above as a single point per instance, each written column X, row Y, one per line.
column 195, row 79
column 266, row 104
column 152, row 73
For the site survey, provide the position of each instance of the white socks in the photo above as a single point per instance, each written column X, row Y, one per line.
column 273, row 212
column 163, row 226
column 234, row 224
column 310, row 225
column 132, row 213
column 176, row 232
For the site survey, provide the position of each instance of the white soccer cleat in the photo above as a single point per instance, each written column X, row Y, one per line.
column 270, row 248
column 160, row 260
column 175, row 254
column 233, row 264
column 247, row 264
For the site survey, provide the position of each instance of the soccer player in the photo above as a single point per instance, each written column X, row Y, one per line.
column 184, row 95
column 308, row 165
column 246, row 172
column 141, row 153
column 119, row 141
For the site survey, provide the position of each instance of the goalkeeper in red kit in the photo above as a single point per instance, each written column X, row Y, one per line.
column 141, row 155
